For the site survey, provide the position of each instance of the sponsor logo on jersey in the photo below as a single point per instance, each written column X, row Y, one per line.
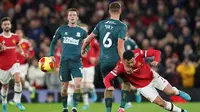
column 23, row 46
column 78, row 34
column 70, row 40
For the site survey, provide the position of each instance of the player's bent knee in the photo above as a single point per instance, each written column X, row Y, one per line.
column 17, row 77
column 64, row 92
column 126, row 86
column 108, row 94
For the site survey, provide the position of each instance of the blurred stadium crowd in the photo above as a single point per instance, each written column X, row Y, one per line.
column 172, row 26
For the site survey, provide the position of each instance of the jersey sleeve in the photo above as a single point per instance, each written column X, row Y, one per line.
column 85, row 34
column 122, row 32
column 54, row 41
column 150, row 53
column 115, row 72
column 96, row 29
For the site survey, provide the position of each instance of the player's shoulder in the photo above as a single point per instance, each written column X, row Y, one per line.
column 24, row 41
column 81, row 29
column 122, row 25
column 10, row 36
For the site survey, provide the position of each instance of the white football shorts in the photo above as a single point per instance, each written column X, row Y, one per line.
column 23, row 70
column 150, row 91
column 88, row 74
column 7, row 75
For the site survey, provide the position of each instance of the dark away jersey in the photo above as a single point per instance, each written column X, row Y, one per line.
column 71, row 39
column 108, row 32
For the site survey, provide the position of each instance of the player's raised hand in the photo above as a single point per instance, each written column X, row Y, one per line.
column 154, row 63
column 111, row 88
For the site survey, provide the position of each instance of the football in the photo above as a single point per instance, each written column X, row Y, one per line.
column 46, row 64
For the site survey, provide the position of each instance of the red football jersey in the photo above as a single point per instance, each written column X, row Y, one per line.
column 9, row 56
column 27, row 49
column 142, row 74
column 93, row 52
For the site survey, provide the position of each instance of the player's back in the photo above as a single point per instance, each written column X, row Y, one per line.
column 8, row 57
column 109, row 33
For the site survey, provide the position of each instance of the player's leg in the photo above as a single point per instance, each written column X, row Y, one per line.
column 65, row 77
column 87, row 86
column 152, row 95
column 167, row 105
column 70, row 92
column 64, row 96
column 77, row 73
column 4, row 94
column 108, row 94
column 90, row 72
column 85, row 89
column 77, row 93
column 138, row 97
column 5, row 77
column 23, row 72
column 163, row 85
column 85, row 96
column 17, row 86
column 124, row 94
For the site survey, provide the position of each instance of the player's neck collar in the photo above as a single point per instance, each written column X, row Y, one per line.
column 7, row 36
column 72, row 25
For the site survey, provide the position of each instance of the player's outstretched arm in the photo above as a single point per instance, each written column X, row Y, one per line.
column 108, row 79
column 155, row 53
column 86, row 42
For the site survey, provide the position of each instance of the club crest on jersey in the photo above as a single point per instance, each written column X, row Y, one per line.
column 139, row 64
column 78, row 34
column 66, row 33
column 14, row 41
column 23, row 46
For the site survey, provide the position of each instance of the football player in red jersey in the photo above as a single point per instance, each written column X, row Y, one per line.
column 25, row 45
column 89, row 63
column 9, row 66
column 146, row 80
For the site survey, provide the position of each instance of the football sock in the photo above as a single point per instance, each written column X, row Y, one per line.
column 76, row 98
column 4, row 94
column 85, row 99
column 171, row 107
column 70, row 98
column 18, row 92
column 176, row 90
column 124, row 95
column 64, row 101
column 108, row 102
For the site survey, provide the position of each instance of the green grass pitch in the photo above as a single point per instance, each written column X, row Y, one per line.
column 99, row 107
